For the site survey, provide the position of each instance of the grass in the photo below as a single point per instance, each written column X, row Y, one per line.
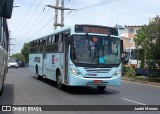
column 142, row 78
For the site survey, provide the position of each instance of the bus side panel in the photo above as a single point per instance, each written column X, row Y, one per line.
column 35, row 59
column 3, row 56
column 1, row 63
column 51, row 64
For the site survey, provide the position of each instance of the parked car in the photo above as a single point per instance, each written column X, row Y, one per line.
column 12, row 63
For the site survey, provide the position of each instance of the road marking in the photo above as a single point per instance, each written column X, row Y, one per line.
column 133, row 101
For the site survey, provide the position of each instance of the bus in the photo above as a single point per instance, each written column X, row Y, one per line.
column 5, row 13
column 78, row 55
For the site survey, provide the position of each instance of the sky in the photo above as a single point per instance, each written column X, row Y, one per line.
column 33, row 18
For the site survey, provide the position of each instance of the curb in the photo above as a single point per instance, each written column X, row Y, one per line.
column 141, row 81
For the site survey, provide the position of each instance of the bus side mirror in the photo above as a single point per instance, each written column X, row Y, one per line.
column 121, row 46
column 124, row 60
column 6, row 7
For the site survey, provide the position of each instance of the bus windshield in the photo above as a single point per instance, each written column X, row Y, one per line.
column 94, row 49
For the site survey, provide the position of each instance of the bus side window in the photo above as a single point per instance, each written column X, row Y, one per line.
column 56, row 38
column 60, row 43
column 49, row 45
column 56, row 43
column 37, row 46
column 40, row 47
column 52, row 43
column 53, row 39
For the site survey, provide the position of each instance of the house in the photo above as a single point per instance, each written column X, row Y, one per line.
column 127, row 34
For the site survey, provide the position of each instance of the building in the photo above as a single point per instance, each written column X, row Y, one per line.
column 128, row 34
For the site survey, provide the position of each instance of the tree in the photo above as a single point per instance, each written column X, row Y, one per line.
column 25, row 51
column 18, row 56
column 148, row 38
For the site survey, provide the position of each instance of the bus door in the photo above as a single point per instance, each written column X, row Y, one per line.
column 44, row 55
column 66, row 57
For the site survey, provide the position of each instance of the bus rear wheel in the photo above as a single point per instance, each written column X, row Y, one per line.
column 59, row 81
column 38, row 77
column 101, row 88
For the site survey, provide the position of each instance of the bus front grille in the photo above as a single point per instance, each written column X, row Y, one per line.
column 97, row 70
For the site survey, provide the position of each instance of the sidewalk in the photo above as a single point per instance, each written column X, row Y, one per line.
column 140, row 81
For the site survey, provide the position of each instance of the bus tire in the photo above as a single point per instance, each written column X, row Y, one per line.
column 101, row 88
column 38, row 77
column 59, row 80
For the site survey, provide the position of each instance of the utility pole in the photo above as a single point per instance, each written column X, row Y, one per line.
column 62, row 8
column 62, row 13
column 56, row 15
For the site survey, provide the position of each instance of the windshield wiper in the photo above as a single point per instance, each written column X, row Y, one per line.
column 88, row 38
column 96, row 53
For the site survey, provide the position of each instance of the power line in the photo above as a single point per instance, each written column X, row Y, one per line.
column 97, row 5
column 25, row 15
column 34, row 25
column 31, row 16
column 38, row 20
column 79, row 9
column 40, row 29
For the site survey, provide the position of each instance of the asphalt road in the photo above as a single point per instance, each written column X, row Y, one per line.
column 21, row 88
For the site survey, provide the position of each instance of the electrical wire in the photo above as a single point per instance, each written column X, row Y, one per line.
column 30, row 17
column 36, row 22
column 40, row 29
column 97, row 5
column 24, row 16
column 79, row 9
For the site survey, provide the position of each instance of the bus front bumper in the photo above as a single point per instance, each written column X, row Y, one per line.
column 81, row 81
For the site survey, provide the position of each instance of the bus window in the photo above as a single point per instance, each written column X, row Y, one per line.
column 53, row 39
column 60, row 44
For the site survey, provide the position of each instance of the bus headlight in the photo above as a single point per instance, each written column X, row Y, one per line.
column 117, row 73
column 75, row 72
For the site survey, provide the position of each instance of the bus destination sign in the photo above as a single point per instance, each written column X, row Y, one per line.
column 96, row 29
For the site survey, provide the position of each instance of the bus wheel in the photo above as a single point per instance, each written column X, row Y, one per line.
column 38, row 77
column 59, row 81
column 101, row 88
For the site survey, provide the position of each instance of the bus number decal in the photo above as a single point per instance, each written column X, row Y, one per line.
column 37, row 59
column 55, row 59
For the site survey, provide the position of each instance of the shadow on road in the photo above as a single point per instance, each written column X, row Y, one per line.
column 80, row 90
column 7, row 97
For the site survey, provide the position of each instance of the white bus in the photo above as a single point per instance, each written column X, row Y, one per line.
column 78, row 55
column 5, row 13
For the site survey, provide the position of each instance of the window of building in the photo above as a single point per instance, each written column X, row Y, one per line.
column 131, row 30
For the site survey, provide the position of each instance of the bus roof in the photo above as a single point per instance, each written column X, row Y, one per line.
column 51, row 33
column 70, row 27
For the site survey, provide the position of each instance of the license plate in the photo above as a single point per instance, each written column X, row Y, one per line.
column 97, row 81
